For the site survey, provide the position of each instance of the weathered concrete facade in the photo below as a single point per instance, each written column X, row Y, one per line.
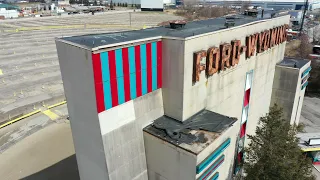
column 116, row 88
column 290, row 81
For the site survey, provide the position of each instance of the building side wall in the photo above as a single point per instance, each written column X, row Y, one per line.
column 173, row 77
column 226, row 169
column 77, row 76
column 168, row 162
column 300, row 94
column 121, row 130
column 223, row 92
column 285, row 90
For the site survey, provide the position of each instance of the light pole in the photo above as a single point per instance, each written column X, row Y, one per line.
column 303, row 16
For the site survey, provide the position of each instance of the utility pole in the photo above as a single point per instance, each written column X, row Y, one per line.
column 303, row 16
column 111, row 5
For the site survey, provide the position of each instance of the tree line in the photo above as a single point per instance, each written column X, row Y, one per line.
column 87, row 3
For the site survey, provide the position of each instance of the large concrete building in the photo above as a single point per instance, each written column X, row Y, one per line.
column 274, row 4
column 289, row 85
column 170, row 103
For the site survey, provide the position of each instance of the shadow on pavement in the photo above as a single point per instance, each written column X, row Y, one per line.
column 66, row 169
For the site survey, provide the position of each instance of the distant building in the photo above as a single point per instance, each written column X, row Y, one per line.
column 9, row 11
column 154, row 5
column 275, row 4
column 9, row 7
column 295, row 17
column 127, row 1
column 179, row 2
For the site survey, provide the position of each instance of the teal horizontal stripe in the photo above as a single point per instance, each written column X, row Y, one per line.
column 306, row 72
column 213, row 156
column 304, row 85
column 305, row 79
column 212, row 168
column 215, row 176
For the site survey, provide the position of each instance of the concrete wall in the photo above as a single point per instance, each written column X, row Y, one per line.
column 121, row 130
column 300, row 93
column 226, row 168
column 223, row 92
column 287, row 91
column 284, row 90
column 77, row 76
column 167, row 162
column 173, row 77
column 110, row 145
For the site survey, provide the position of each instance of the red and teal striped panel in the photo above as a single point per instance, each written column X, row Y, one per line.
column 124, row 74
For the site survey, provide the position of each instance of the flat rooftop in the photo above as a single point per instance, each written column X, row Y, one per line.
column 304, row 137
column 194, row 134
column 293, row 62
column 190, row 29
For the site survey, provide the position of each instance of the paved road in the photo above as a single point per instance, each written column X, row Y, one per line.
column 17, row 131
column 46, row 154
column 310, row 116
column 38, row 148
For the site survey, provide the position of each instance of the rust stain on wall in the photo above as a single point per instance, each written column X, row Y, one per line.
column 260, row 41
column 213, row 60
column 225, row 55
column 228, row 55
column 236, row 52
column 197, row 66
column 266, row 42
column 273, row 36
column 251, row 42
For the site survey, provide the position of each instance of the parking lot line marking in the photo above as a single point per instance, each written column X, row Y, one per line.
column 18, row 119
column 51, row 114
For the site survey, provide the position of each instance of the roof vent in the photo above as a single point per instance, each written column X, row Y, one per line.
column 177, row 24
column 230, row 21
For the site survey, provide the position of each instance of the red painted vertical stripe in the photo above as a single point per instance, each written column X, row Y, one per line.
column 138, row 70
column 125, row 59
column 159, row 64
column 97, row 74
column 149, row 68
column 113, row 78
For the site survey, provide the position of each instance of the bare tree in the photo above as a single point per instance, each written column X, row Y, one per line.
column 245, row 5
column 305, row 47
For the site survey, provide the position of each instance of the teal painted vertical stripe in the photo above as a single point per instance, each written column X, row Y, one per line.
column 120, row 79
column 132, row 69
column 154, row 65
column 143, row 53
column 106, row 80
